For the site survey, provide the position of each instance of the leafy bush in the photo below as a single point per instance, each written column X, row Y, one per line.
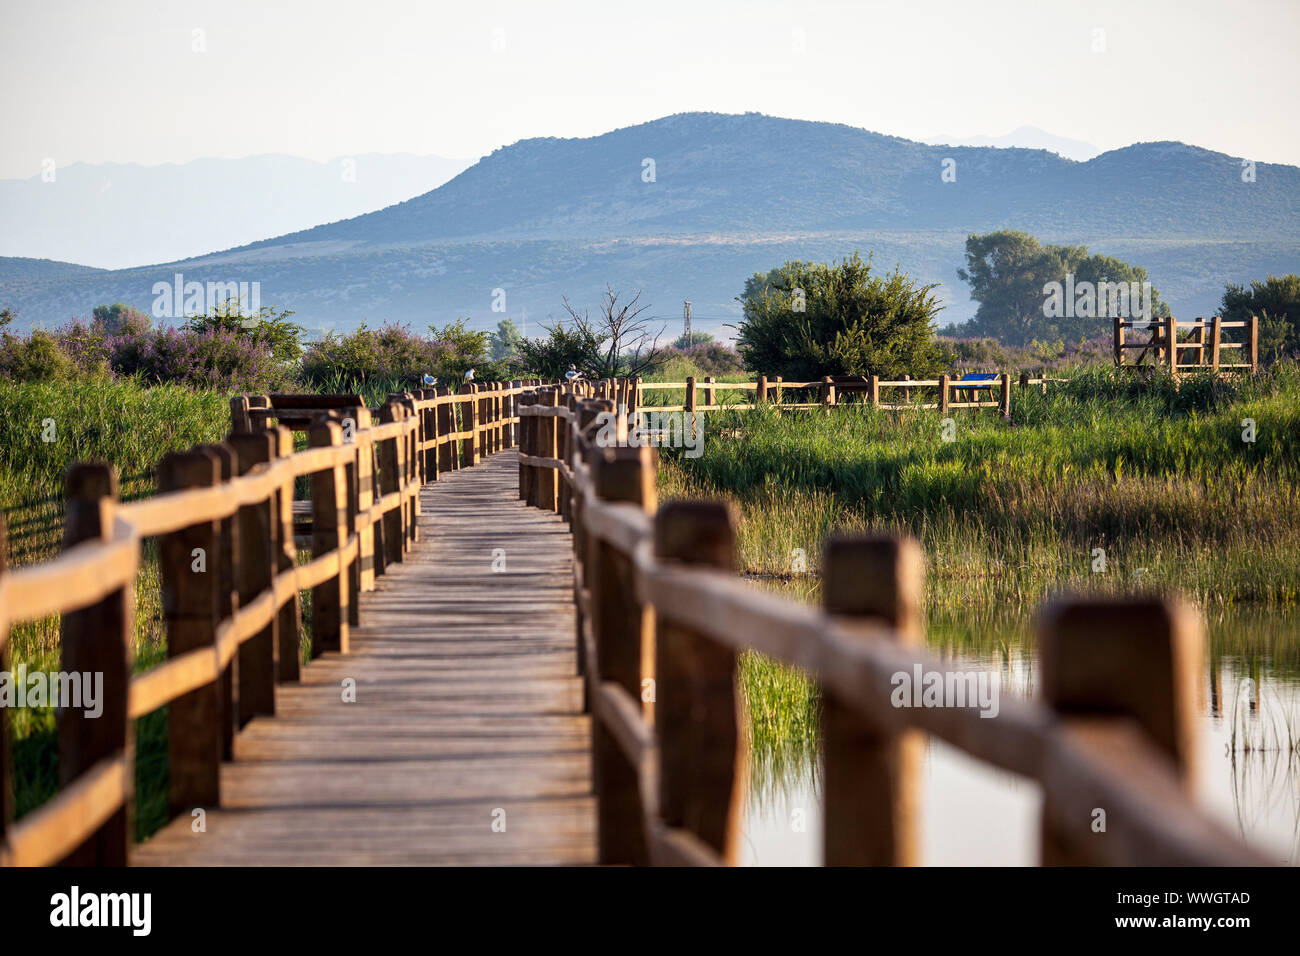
column 805, row 320
column 713, row 358
column 394, row 353
column 36, row 358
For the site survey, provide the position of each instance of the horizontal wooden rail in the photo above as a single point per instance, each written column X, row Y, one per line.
column 659, row 604
column 225, row 520
column 952, row 393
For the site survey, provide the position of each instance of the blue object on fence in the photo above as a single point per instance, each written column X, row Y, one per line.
column 429, row 379
column 977, row 380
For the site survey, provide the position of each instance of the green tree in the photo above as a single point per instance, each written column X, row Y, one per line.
column 505, row 341
column 805, row 320
column 1011, row 275
column 616, row 343
column 1276, row 301
column 696, row 338
column 550, row 357
column 265, row 328
column 458, row 349
column 120, row 319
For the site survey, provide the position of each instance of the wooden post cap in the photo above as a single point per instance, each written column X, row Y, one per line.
column 696, row 532
column 1137, row 658
column 880, row 577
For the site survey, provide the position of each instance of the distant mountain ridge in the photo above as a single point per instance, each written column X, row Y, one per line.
column 121, row 215
column 687, row 206
column 1025, row 137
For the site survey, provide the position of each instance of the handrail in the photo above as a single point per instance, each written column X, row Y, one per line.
column 1093, row 739
column 364, row 482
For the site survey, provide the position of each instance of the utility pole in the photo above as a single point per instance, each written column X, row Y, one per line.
column 686, row 331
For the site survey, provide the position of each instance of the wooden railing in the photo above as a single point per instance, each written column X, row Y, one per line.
column 943, row 393
column 223, row 518
column 1111, row 736
column 1203, row 338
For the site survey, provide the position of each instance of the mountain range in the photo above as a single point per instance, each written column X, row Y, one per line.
column 119, row 215
column 688, row 206
column 1025, row 137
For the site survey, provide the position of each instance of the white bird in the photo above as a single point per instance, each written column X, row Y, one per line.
column 572, row 373
column 429, row 379
column 469, row 376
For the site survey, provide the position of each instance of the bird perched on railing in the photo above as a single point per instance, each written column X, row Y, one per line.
column 469, row 376
column 429, row 380
column 572, row 373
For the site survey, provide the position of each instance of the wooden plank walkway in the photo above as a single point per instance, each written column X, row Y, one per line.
column 467, row 712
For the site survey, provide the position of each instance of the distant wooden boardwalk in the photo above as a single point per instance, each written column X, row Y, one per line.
column 467, row 713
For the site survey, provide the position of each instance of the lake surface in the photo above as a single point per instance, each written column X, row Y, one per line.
column 974, row 814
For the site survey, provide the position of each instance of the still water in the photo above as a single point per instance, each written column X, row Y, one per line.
column 973, row 814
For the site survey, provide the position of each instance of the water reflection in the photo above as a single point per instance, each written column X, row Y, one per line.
column 1248, row 774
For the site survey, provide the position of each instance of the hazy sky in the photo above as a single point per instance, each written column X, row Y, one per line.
column 116, row 80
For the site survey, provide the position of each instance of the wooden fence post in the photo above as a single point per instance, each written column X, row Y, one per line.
column 702, row 746
column 1119, row 341
column 367, row 558
column 527, row 447
column 288, row 668
column 509, row 410
column 329, row 532
column 227, row 592
column 943, row 394
column 870, row 777
column 709, row 396
column 239, row 420
column 469, row 425
column 429, row 435
column 259, row 412
column 564, row 451
column 351, row 478
column 1004, row 402
column 484, row 413
column 256, row 563
column 1252, row 343
column 413, row 472
column 621, row 625
column 1171, row 337
column 873, row 391
column 1140, row 659
column 547, row 479
column 690, row 394
column 444, row 426
column 393, row 522
column 1216, row 338
column 189, row 562
column 97, row 640
column 760, row 390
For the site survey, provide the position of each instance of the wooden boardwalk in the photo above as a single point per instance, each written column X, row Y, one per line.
column 467, row 712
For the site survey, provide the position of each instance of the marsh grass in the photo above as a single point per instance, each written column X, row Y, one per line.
column 132, row 427
column 1010, row 514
